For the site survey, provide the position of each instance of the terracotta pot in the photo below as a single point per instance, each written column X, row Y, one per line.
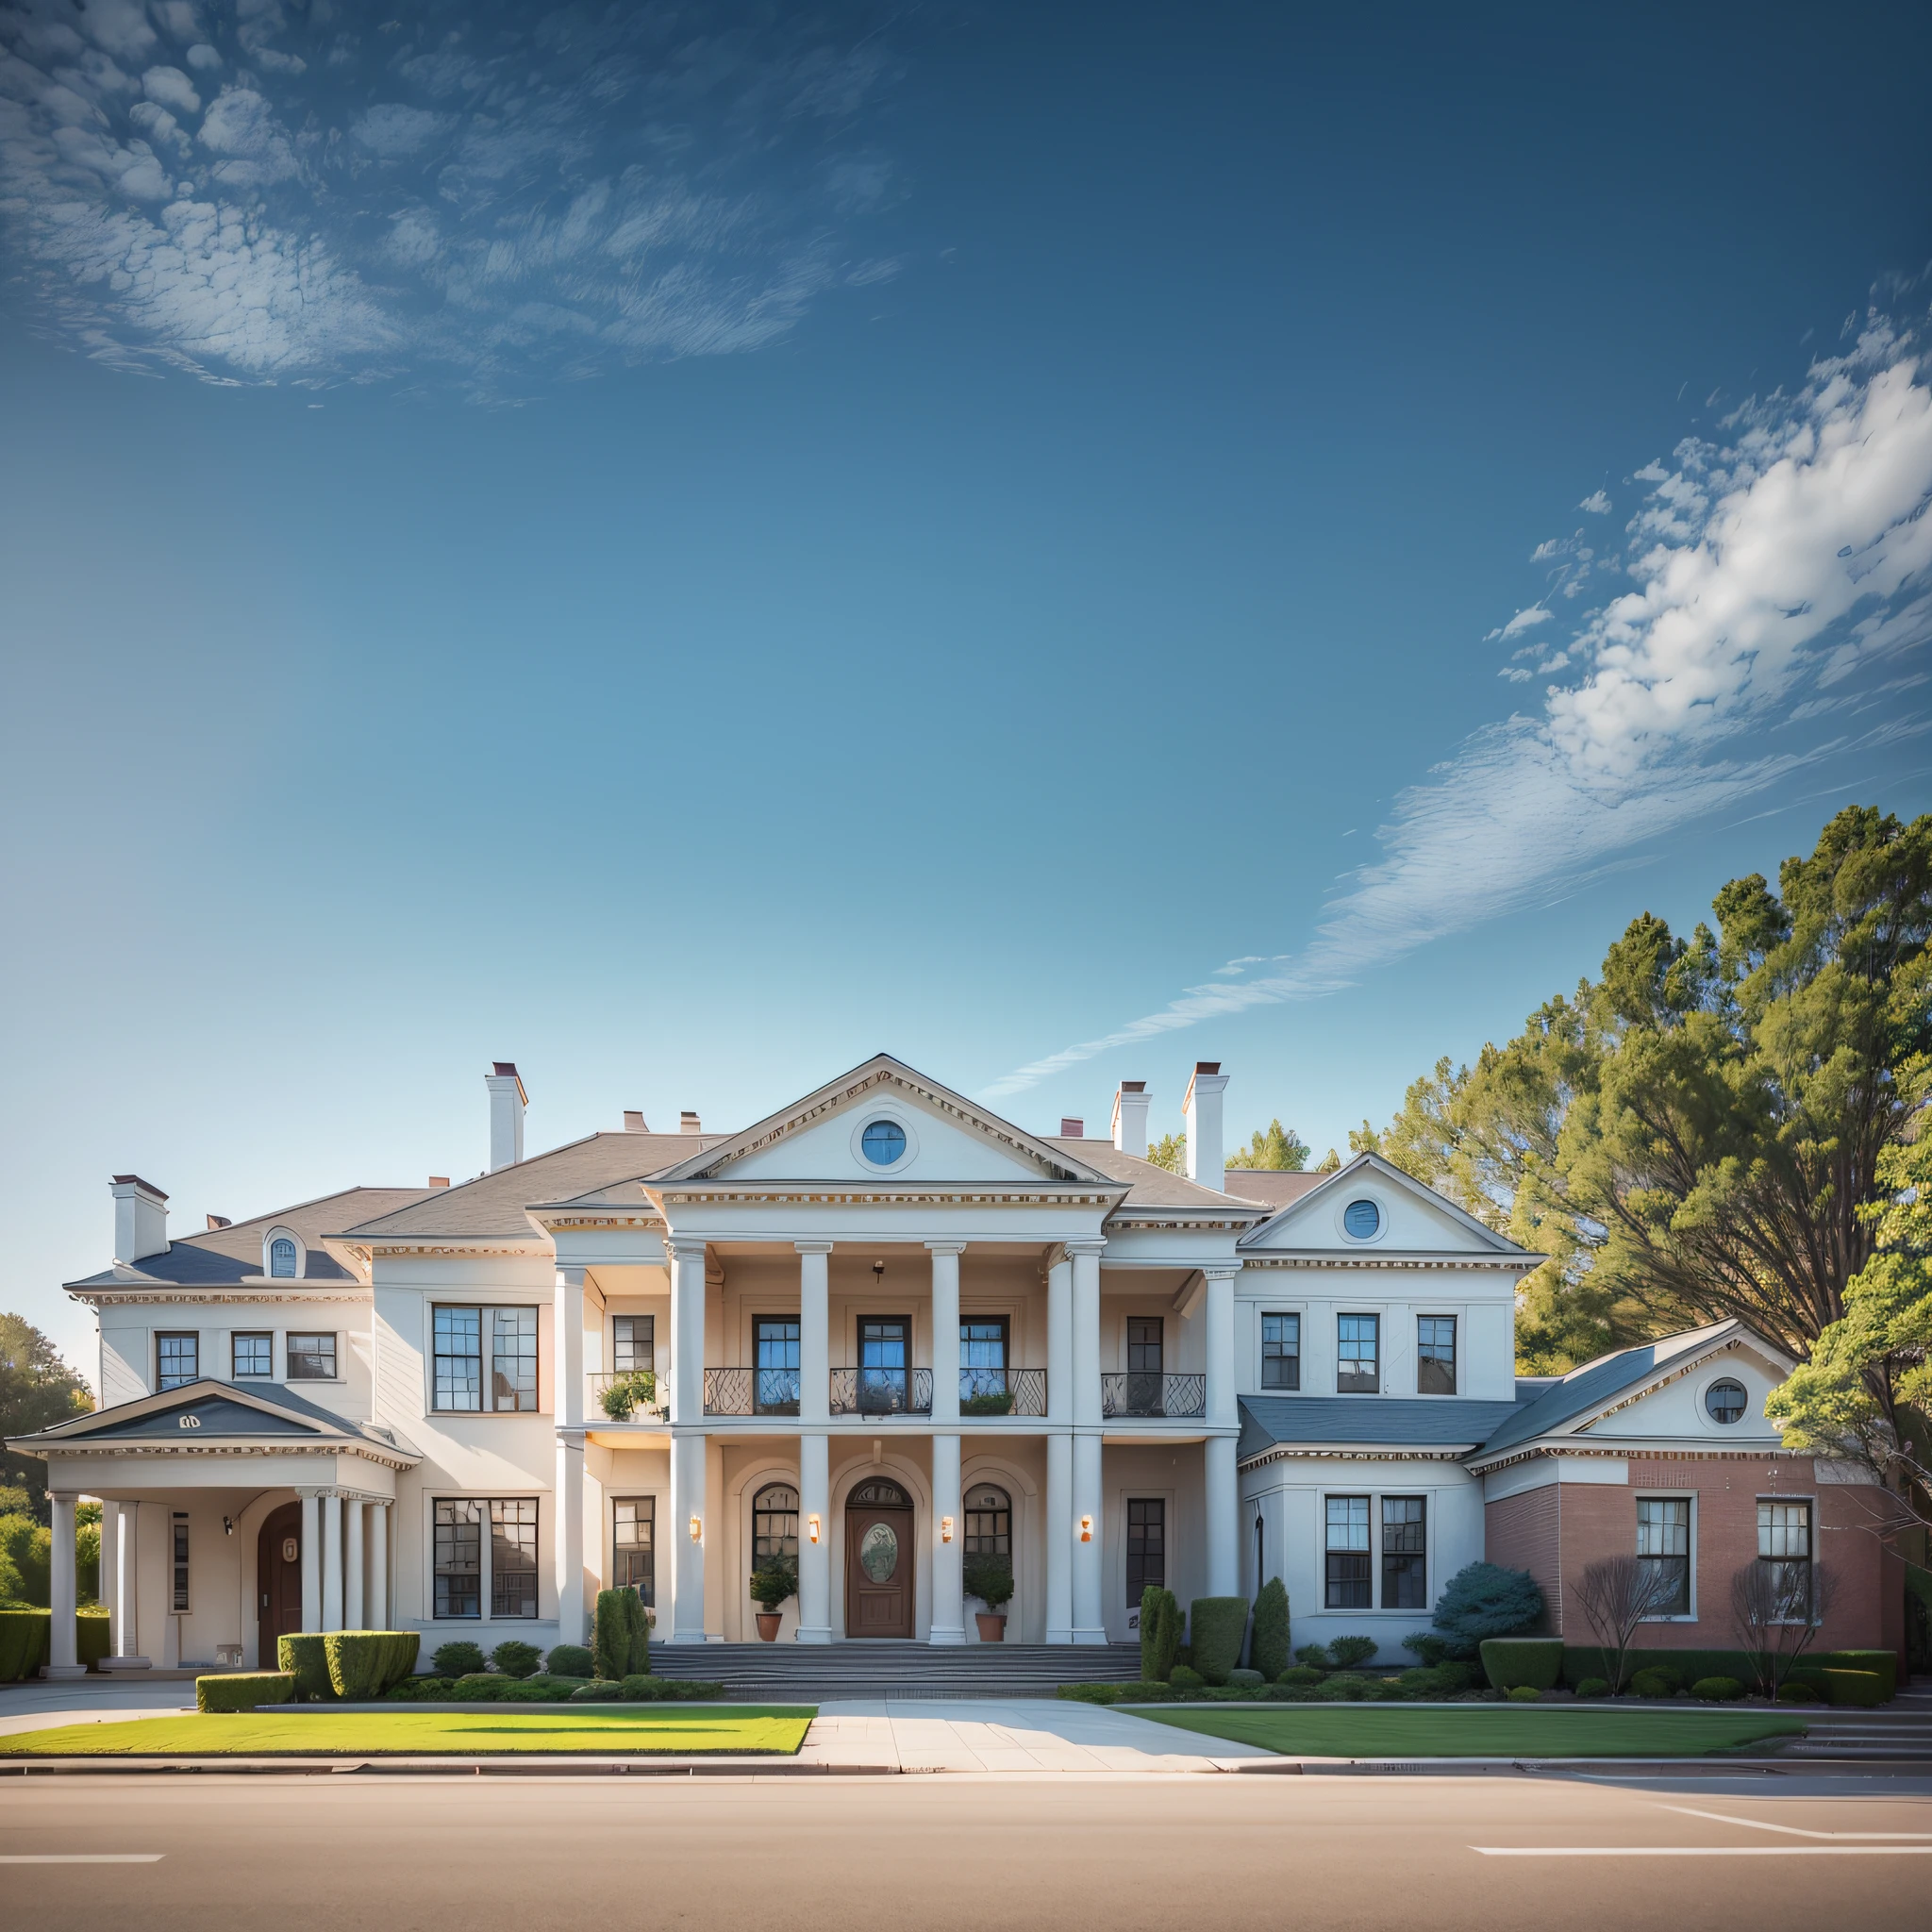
column 993, row 1626
column 768, row 1625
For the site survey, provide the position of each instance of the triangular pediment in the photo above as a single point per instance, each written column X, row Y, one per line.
column 1408, row 1218
column 931, row 1134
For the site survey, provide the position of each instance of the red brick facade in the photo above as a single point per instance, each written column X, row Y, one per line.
column 1554, row 1531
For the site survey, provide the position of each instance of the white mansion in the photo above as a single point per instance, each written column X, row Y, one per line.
column 887, row 1329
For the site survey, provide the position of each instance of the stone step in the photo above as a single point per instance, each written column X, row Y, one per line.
column 865, row 1668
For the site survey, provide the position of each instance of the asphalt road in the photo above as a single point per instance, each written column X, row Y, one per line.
column 975, row 1853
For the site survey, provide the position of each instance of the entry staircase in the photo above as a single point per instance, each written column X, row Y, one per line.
column 879, row 1667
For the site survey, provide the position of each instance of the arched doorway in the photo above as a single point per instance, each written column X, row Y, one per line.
column 278, row 1579
column 878, row 1559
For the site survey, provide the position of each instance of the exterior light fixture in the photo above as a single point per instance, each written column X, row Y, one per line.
column 811, row 1529
column 945, row 1529
column 228, row 1525
column 878, row 1273
column 697, row 1530
column 1086, row 1528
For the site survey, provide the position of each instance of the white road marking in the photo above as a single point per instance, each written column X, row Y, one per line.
column 1792, row 1830
column 1703, row 1851
column 81, row 1858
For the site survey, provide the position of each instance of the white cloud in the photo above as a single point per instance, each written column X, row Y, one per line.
column 1769, row 566
column 170, row 87
column 1597, row 503
column 1526, row 620
column 393, row 128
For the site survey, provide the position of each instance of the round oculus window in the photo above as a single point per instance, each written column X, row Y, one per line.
column 883, row 1143
column 1361, row 1221
column 1726, row 1401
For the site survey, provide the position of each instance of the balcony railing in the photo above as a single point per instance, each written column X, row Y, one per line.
column 632, row 1395
column 751, row 1392
column 1177, row 1397
column 881, row 1392
column 1002, row 1392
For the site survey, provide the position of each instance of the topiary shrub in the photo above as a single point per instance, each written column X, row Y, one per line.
column 515, row 1658
column 1299, row 1674
column 1247, row 1679
column 1654, row 1681
column 1268, row 1640
column 1864, row 1689
column 303, row 1656
column 363, row 1664
column 1351, row 1653
column 1216, row 1626
column 1524, row 1693
column 459, row 1660
column 620, row 1635
column 570, row 1660
column 1486, row 1599
column 1160, row 1633
column 1795, row 1693
column 481, row 1687
column 598, row 1691
column 244, row 1690
column 1431, row 1646
column 1718, row 1690
column 1593, row 1686
column 1314, row 1657
column 1536, row 1661
column 1187, row 1678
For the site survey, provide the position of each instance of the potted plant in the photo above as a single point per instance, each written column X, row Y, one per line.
column 626, row 1393
column 990, row 1577
column 772, row 1582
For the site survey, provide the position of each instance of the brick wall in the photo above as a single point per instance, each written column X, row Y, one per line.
column 1524, row 1532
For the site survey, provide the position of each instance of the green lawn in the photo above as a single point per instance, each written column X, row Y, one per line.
column 681, row 1730
column 1478, row 1730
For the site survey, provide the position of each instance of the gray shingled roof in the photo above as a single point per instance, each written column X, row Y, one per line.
column 1276, row 1188
column 1314, row 1422
column 1150, row 1186
column 222, row 1413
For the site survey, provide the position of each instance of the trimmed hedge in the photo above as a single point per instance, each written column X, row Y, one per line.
column 1593, row 1686
column 1160, row 1634
column 1882, row 1663
column 1718, row 1690
column 1687, row 1666
column 570, row 1660
column 1216, row 1626
column 1534, row 1661
column 366, row 1664
column 1268, row 1641
column 1524, row 1693
column 25, row 1637
column 620, row 1635
column 1865, row 1689
column 516, row 1658
column 303, row 1656
column 233, row 1691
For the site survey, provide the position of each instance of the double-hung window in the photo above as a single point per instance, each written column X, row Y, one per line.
column 633, row 1343
column 1435, row 1355
column 1405, row 1553
column 1147, row 1546
column 776, row 1342
column 1281, row 1351
column 460, row 1558
column 462, row 1338
column 1359, row 1354
column 636, row 1567
column 1663, row 1546
column 982, row 1356
column 177, row 1360
column 311, row 1357
column 513, row 1558
column 1348, row 1581
column 178, row 1570
column 1784, row 1542
column 253, row 1356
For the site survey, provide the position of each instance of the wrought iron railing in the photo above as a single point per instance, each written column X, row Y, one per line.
column 1184, row 1397
column 881, row 1392
column 630, row 1395
column 751, row 1392
column 1002, row 1392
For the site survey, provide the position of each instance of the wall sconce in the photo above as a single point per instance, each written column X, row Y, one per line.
column 945, row 1529
column 697, row 1530
column 228, row 1525
column 1086, row 1529
column 811, row 1529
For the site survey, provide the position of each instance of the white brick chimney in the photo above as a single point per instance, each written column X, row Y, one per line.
column 141, row 1218
column 687, row 1123
column 508, row 1101
column 1201, row 1110
column 1130, row 1119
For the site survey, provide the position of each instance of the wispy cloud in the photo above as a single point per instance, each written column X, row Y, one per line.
column 1764, row 570
column 495, row 192
column 1597, row 503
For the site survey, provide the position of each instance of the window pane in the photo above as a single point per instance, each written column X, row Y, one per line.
column 1784, row 1529
column 1358, row 1367
column 281, row 1258
column 180, row 1564
column 775, row 1523
column 458, row 1559
column 513, row 1361
column 1281, row 1351
column 633, row 1343
column 311, row 1357
column 1143, row 1346
column 513, row 1558
column 1435, row 1368
column 458, row 1365
column 990, row 1523
column 1663, row 1542
column 1405, row 1553
column 253, row 1356
column 177, row 1360
column 636, row 1554
column 1147, row 1546
column 983, row 1343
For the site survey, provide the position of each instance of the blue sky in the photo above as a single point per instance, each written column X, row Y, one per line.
column 1053, row 542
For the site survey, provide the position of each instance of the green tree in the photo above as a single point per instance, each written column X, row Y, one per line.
column 1280, row 1148
column 1329, row 1163
column 37, row 1390
column 1693, row 1136
column 1170, row 1152
column 1364, row 1139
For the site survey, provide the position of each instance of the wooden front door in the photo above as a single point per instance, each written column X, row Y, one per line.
column 278, row 1579
column 879, row 1560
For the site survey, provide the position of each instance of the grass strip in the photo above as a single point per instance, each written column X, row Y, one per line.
column 1478, row 1730
column 691, row 1730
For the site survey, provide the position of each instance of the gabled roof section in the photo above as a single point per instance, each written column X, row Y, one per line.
column 1155, row 1188
column 1313, row 1423
column 1278, row 1229
column 1570, row 1405
column 882, row 1073
column 216, row 1413
column 224, row 1256
column 492, row 1206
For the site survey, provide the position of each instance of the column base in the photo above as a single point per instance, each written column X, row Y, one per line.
column 1090, row 1635
column 814, row 1633
column 955, row 1635
column 1060, row 1636
column 63, row 1670
column 123, row 1663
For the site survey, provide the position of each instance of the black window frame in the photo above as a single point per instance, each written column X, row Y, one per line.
column 771, row 1511
column 1348, row 1581
column 179, row 1554
column 627, row 1357
column 1138, row 1345
column 634, row 1562
column 299, row 1347
column 456, row 1530
column 165, row 1378
column 987, row 1511
column 1145, row 1546
column 1404, row 1541
column 1360, row 1383
column 1662, row 1531
column 776, row 1384
column 265, row 1339
column 1286, row 1358
column 496, row 1393
column 980, row 1377
column 1429, row 1354
column 514, row 1526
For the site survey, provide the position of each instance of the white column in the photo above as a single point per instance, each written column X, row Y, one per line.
column 686, row 1333
column 1220, row 1351
column 946, row 1330
column 62, row 1650
column 377, row 1608
column 814, row 1447
column 127, row 1586
column 1089, row 1570
column 688, row 1551
column 110, row 1567
column 567, row 1504
column 1059, row 1451
column 948, row 1602
column 814, row 1559
column 332, row 1561
column 353, row 1616
column 1223, row 1502
column 311, row 1560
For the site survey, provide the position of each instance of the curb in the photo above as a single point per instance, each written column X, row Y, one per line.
column 480, row 1767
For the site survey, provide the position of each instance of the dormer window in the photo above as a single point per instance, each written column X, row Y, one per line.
column 281, row 1258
